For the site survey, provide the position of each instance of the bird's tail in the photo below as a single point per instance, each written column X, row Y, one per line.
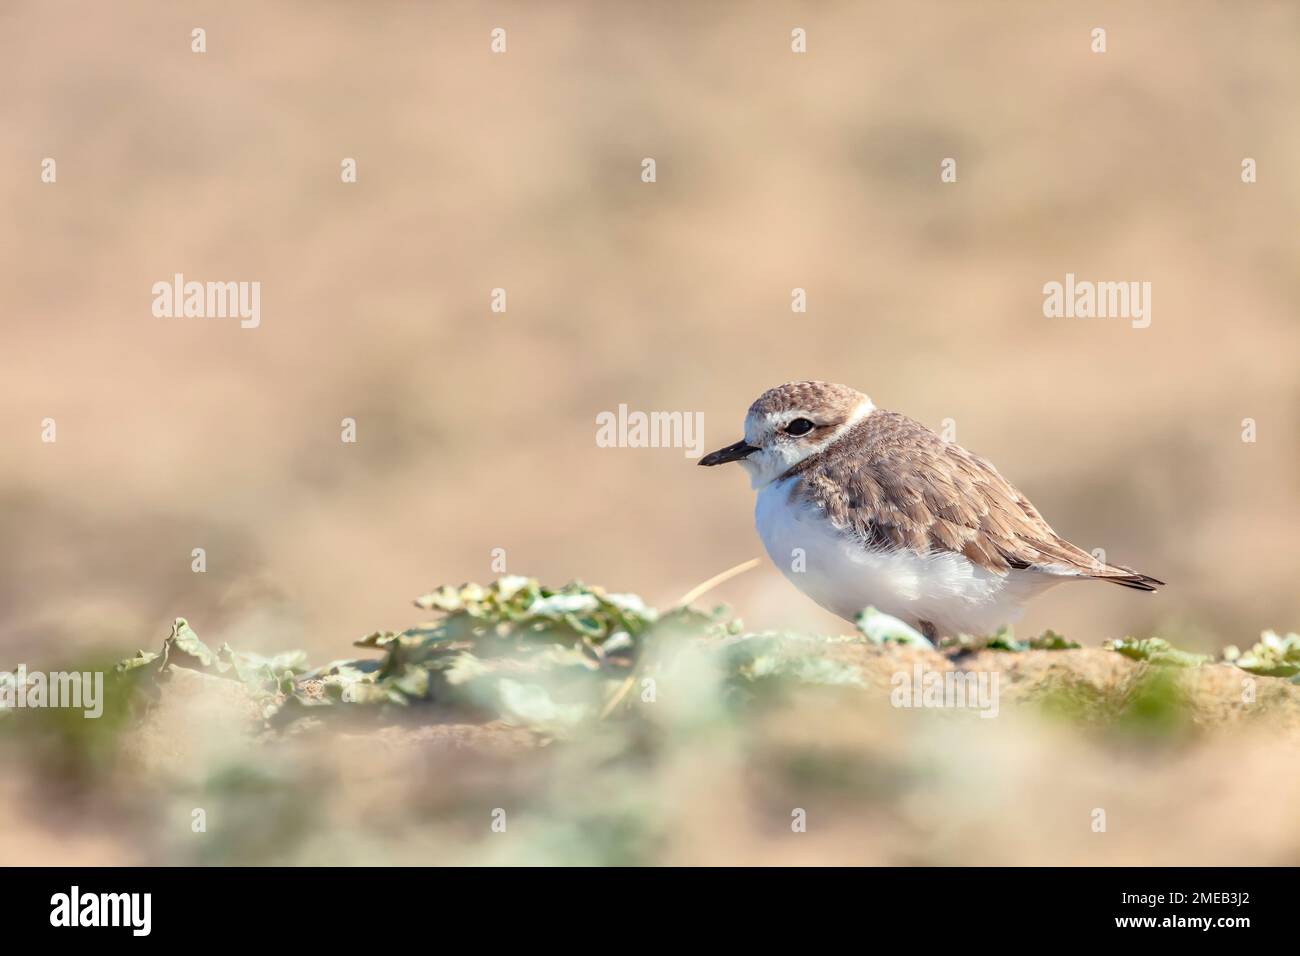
column 1127, row 577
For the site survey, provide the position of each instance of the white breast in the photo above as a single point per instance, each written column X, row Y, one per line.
column 843, row 576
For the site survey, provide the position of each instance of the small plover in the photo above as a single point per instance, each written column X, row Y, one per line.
column 860, row 507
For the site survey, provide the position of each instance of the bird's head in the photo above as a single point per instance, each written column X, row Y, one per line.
column 788, row 423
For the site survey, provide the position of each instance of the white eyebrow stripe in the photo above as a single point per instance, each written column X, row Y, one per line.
column 863, row 409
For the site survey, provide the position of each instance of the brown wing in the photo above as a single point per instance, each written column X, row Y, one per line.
column 896, row 484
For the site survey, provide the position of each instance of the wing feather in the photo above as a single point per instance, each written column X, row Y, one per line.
column 897, row 485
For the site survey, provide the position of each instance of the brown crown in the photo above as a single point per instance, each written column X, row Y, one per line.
column 835, row 402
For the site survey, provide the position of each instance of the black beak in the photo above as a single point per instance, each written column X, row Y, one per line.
column 734, row 452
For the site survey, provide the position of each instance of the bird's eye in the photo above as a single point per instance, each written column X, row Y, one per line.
column 800, row 426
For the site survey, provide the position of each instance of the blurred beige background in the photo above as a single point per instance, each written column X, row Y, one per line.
column 775, row 170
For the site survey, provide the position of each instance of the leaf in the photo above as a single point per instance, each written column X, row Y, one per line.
column 141, row 659
column 184, row 643
column 1156, row 650
column 532, row 704
column 880, row 628
column 443, row 599
column 1051, row 641
column 1005, row 640
column 1272, row 655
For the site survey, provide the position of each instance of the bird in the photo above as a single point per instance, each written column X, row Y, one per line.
column 863, row 507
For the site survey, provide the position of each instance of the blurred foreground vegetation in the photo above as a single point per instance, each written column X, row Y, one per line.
column 525, row 724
